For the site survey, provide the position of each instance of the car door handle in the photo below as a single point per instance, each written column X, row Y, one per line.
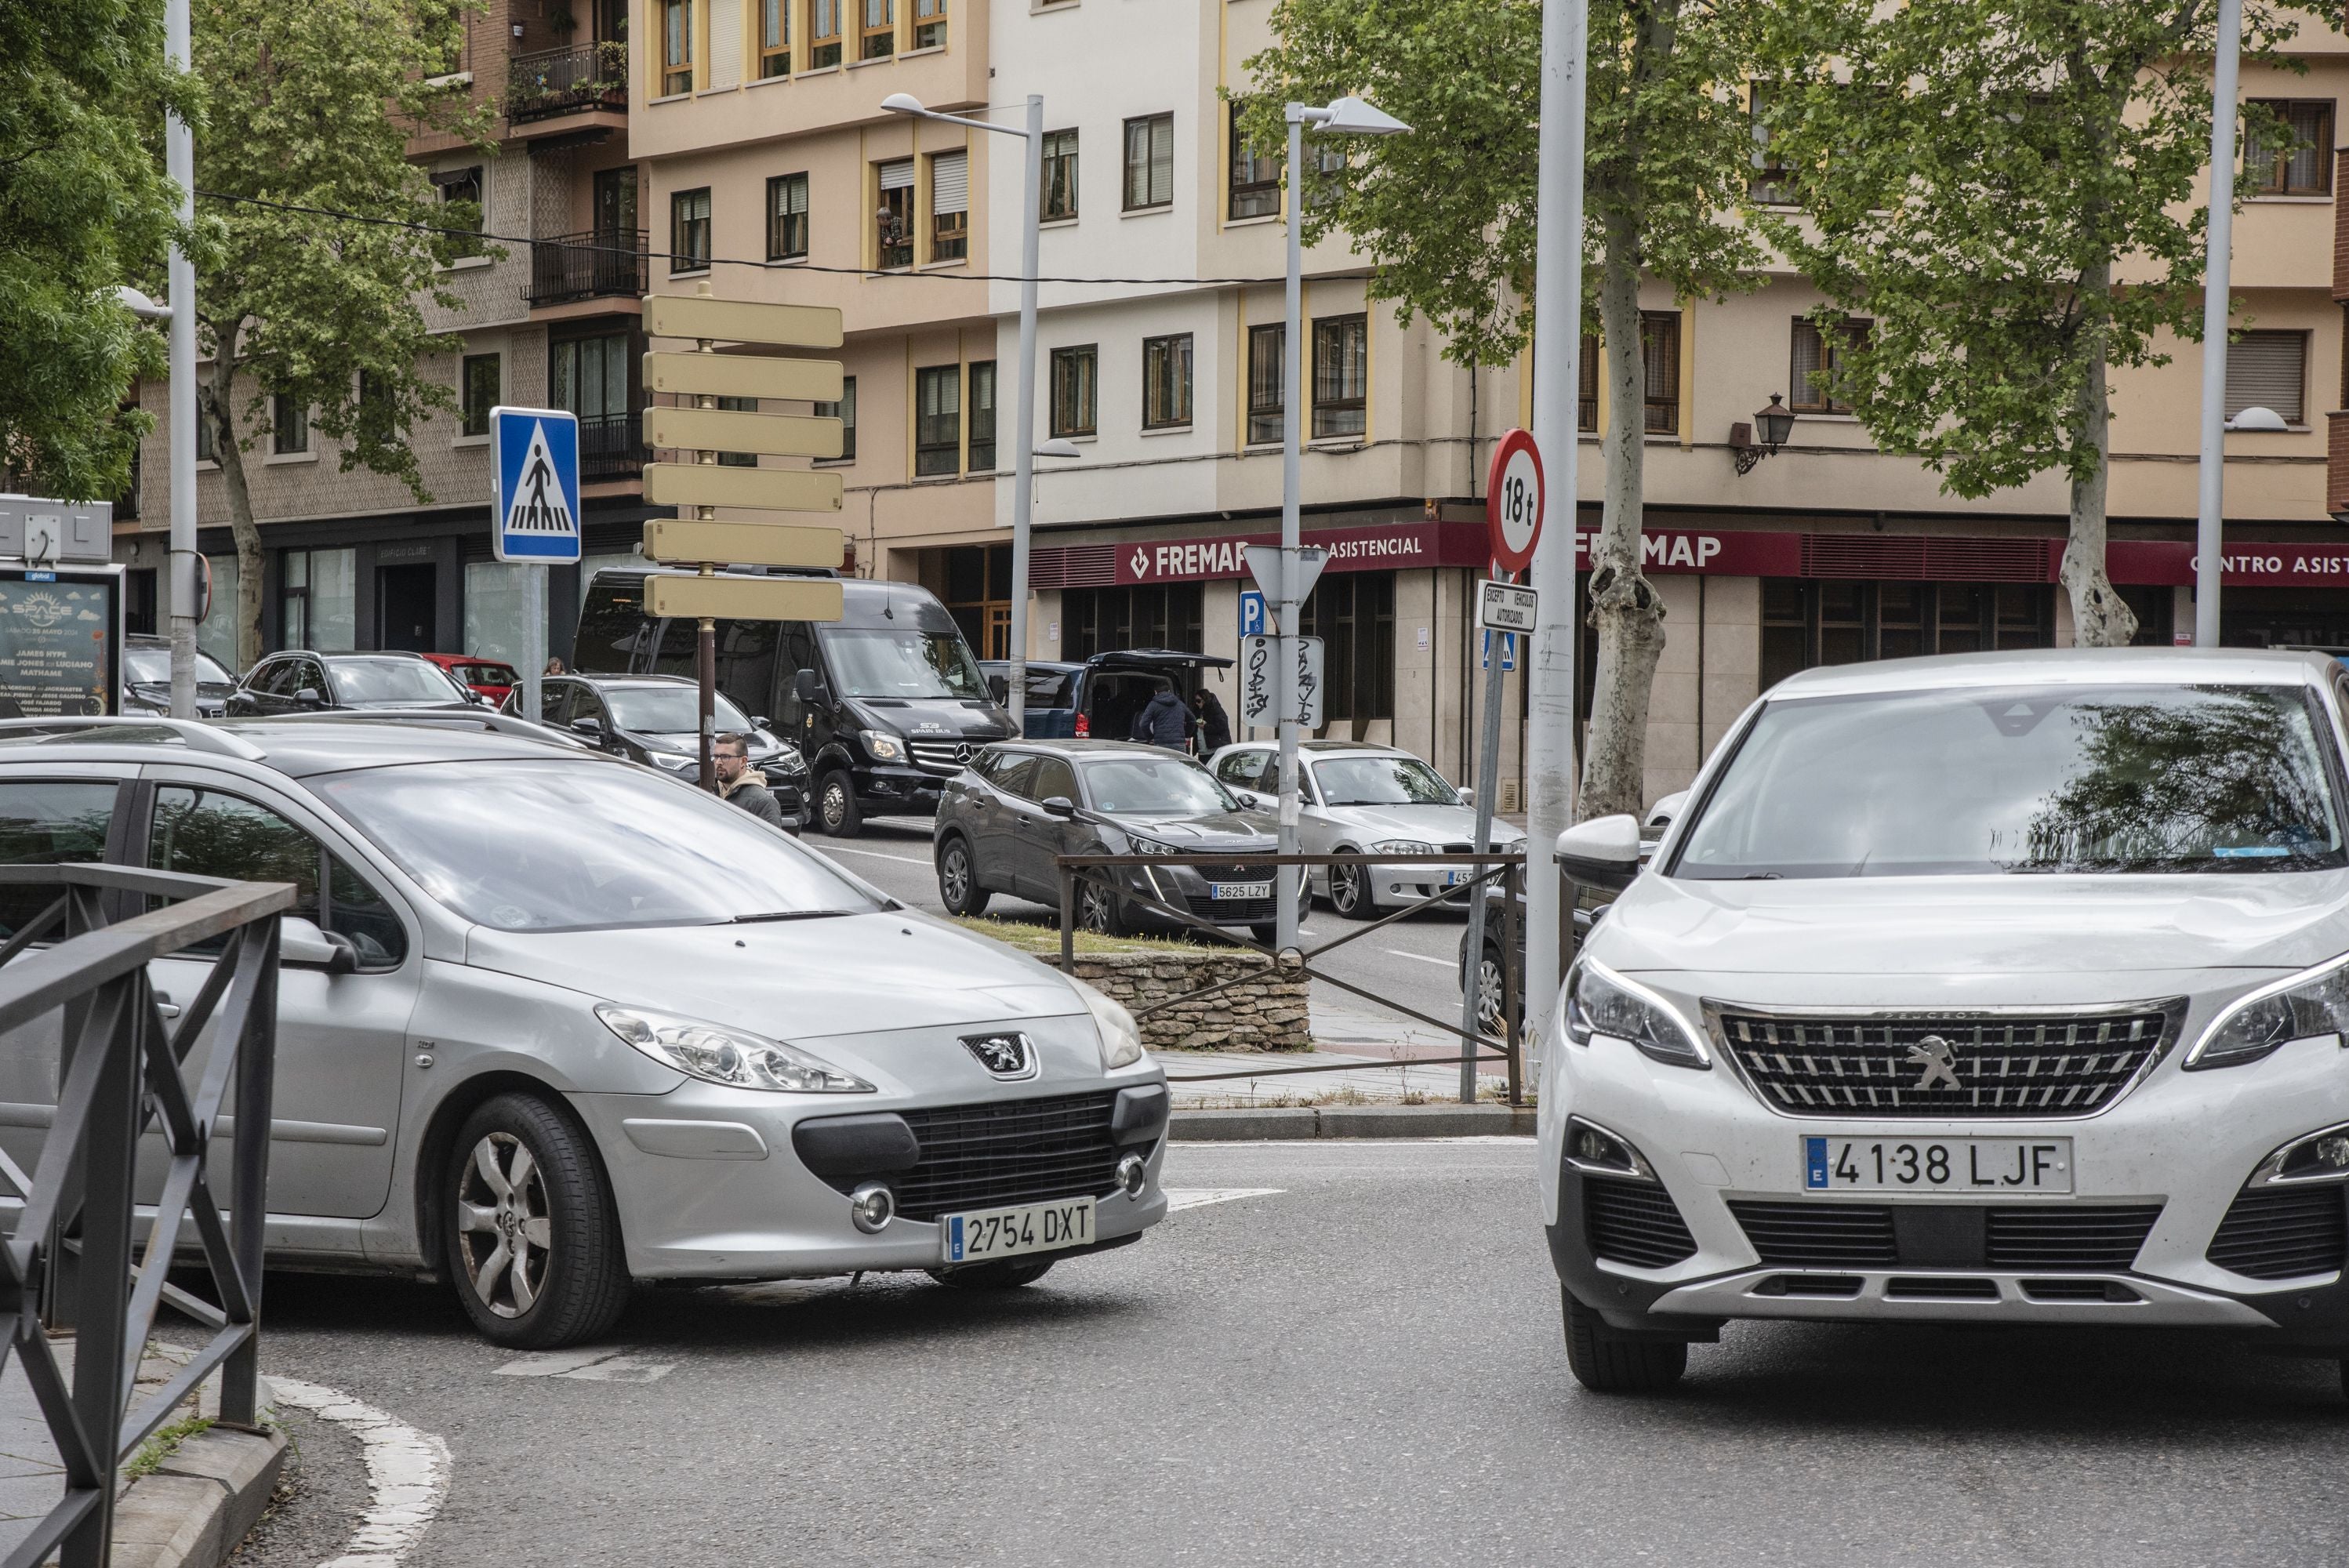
column 166, row 1006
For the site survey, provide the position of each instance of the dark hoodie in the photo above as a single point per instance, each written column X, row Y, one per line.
column 1164, row 722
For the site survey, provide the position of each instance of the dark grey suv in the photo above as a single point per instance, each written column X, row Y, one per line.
column 1006, row 817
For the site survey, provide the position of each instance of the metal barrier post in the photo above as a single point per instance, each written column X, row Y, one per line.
column 249, row 1207
column 1513, row 976
column 1068, row 921
column 115, row 1019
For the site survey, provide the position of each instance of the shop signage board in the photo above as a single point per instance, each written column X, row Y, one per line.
column 2244, row 563
column 1260, row 686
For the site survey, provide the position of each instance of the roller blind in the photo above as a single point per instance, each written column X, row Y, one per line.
column 897, row 176
column 2269, row 370
column 950, row 182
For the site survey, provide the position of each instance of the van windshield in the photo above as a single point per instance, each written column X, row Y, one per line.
column 908, row 663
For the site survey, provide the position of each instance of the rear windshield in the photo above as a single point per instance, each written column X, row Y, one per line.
column 668, row 709
column 2230, row 780
column 393, row 680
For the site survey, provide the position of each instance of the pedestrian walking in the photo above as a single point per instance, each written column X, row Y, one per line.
column 1212, row 724
column 740, row 783
column 1163, row 721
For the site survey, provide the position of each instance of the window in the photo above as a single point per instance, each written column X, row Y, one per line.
column 929, row 24
column 892, row 221
column 950, row 206
column 139, row 602
column 1059, row 197
column 1341, row 375
column 774, row 39
column 739, row 460
column 207, row 452
column 1769, row 184
column 48, row 823
column 460, row 208
column 1266, row 345
column 204, row 832
column 289, row 423
column 688, row 231
column 937, row 419
column 1072, row 391
column 477, row 392
column 2268, row 370
column 371, row 420
column 1818, row 364
column 1105, row 620
column 589, row 377
column 1149, row 161
column 1167, row 382
column 1660, row 343
column 1809, row 621
column 880, row 33
column 616, row 202
column 2298, row 163
column 787, row 217
column 845, row 412
column 317, row 603
column 1325, row 167
column 1353, row 615
column 1586, row 408
column 982, row 416
column 824, row 34
column 677, row 48
column 978, row 593
column 1255, row 178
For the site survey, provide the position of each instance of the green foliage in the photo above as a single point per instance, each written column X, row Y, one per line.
column 82, row 207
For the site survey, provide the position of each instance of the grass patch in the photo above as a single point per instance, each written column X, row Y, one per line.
column 1044, row 941
column 163, row 1445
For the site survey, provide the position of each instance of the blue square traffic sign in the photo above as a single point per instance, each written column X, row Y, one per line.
column 1251, row 613
column 535, row 511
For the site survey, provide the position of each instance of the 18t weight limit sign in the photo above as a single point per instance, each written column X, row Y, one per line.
column 1513, row 500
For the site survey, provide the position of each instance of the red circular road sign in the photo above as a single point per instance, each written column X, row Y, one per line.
column 1514, row 496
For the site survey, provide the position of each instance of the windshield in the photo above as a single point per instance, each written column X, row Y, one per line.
column 1381, row 782
column 393, row 680
column 152, row 667
column 559, row 845
column 489, row 674
column 667, row 710
column 907, row 664
column 2060, row 778
column 1155, row 785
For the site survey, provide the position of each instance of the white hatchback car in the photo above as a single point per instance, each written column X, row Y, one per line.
column 1997, row 989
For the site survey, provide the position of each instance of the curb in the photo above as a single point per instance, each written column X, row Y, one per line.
column 1300, row 1121
column 195, row 1507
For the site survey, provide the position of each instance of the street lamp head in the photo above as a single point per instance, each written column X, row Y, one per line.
column 904, row 103
column 1057, row 448
column 1356, row 117
column 2258, row 419
column 1775, row 423
column 139, row 305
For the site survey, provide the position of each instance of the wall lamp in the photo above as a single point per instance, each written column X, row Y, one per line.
column 1776, row 425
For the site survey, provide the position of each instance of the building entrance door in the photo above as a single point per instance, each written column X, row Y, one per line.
column 407, row 607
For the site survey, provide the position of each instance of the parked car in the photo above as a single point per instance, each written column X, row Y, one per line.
column 146, row 678
column 1991, row 989
column 1098, row 699
column 304, row 682
column 1359, row 800
column 555, row 1024
column 657, row 720
column 1022, row 803
column 489, row 679
column 886, row 704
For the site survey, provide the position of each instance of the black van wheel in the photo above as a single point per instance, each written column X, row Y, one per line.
column 958, row 887
column 835, row 806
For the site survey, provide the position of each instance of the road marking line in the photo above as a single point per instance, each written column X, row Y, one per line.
column 408, row 1471
column 1181, row 1198
column 552, row 1363
column 1422, row 957
column 623, row 1369
column 611, row 1364
column 876, row 854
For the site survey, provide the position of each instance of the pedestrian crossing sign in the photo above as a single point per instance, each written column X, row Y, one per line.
column 535, row 454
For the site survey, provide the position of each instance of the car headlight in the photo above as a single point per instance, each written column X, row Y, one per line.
column 2313, row 1003
column 716, row 1053
column 1142, row 846
column 1120, row 1036
column 1600, row 1002
column 675, row 761
column 1402, row 847
column 884, row 746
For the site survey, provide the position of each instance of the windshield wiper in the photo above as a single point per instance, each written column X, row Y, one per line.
column 789, row 915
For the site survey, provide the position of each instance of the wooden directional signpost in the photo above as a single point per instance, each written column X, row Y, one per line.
column 698, row 487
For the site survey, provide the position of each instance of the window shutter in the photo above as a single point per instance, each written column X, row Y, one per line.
column 950, row 182
column 2268, row 370
column 897, row 176
column 1809, row 391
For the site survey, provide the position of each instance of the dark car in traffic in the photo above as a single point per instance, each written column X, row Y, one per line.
column 1005, row 818
column 300, row 681
column 1098, row 699
column 657, row 720
column 146, row 678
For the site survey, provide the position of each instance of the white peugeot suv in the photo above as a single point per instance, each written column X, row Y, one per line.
column 2007, row 988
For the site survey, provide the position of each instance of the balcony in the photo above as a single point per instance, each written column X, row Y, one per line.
column 581, row 78
column 602, row 263
column 610, row 448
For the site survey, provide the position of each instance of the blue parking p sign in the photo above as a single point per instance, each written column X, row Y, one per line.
column 1251, row 613
column 535, row 511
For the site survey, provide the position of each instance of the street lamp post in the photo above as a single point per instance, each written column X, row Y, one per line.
column 179, row 283
column 1023, row 461
column 2209, row 543
column 1343, row 117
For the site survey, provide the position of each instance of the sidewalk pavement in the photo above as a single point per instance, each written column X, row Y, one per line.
column 1390, row 1077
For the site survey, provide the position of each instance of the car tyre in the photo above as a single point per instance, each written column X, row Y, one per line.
column 1100, row 910
column 958, row 887
column 1492, row 992
column 1007, row 1274
column 835, row 806
column 1266, row 936
column 1607, row 1361
column 523, row 1175
column 1349, row 893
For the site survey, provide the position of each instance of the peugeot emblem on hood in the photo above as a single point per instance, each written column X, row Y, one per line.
column 1006, row 1055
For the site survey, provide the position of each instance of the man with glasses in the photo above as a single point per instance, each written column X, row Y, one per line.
column 739, row 782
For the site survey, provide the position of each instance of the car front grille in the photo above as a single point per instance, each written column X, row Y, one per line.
column 2091, row 1236
column 1849, row 1236
column 1942, row 1066
column 1233, row 911
column 1005, row 1151
column 1818, row 1235
column 2283, row 1233
column 941, row 757
column 1633, row 1223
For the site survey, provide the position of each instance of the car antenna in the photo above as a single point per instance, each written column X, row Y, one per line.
column 888, row 601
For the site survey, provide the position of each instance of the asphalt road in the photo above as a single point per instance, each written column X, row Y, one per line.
column 1362, row 1367
column 1413, row 961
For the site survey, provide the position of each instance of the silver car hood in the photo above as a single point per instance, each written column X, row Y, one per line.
column 1428, row 824
column 1983, row 926
column 849, row 974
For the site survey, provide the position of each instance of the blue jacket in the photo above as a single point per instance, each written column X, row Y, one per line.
column 1166, row 722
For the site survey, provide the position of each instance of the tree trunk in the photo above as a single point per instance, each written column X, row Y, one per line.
column 218, row 405
column 1624, row 609
column 2099, row 619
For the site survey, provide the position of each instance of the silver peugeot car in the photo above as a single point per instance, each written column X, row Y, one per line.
column 550, row 1024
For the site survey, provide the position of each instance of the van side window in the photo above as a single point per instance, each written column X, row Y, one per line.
column 48, row 822
column 796, row 654
column 207, row 833
column 613, row 630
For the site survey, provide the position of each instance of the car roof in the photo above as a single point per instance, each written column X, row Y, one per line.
column 1091, row 748
column 2064, row 666
column 296, row 747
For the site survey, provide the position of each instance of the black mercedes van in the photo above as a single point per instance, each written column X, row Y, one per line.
column 886, row 704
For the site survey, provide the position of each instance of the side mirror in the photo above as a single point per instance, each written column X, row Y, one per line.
column 807, row 685
column 1604, row 851
column 1661, row 814
column 1467, row 796
column 762, row 722
column 302, row 944
column 308, row 698
column 1059, row 806
column 999, row 689
column 592, row 728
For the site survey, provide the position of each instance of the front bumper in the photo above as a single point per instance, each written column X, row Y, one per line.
column 1190, row 888
column 898, row 791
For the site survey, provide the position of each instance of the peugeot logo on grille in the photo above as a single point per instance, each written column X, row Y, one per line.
column 1934, row 1055
column 1007, row 1056
column 962, row 751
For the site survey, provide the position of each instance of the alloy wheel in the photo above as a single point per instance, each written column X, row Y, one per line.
column 504, row 1224
column 1093, row 911
column 1491, row 994
column 1346, row 889
column 834, row 806
column 954, row 875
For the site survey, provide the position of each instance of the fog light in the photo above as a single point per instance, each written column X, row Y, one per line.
column 1132, row 1172
column 1592, row 1147
column 871, row 1206
column 2326, row 1154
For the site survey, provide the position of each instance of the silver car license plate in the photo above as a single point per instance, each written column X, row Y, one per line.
column 984, row 1233
column 1239, row 889
column 1870, row 1162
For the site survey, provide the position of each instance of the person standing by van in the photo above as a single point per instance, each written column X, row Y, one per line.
column 740, row 784
column 1163, row 721
column 1212, row 725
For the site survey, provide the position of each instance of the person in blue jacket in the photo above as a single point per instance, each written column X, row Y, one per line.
column 1164, row 721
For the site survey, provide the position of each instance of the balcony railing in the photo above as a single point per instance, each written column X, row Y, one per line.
column 601, row 263
column 611, row 446
column 571, row 80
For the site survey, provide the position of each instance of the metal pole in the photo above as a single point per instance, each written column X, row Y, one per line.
column 110, row 1143
column 704, row 670
column 1023, row 451
column 2209, row 541
column 256, row 1077
column 533, row 640
column 1557, row 345
column 1292, row 481
column 180, row 279
column 1489, row 774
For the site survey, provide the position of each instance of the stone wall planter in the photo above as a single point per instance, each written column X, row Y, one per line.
column 1266, row 1011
